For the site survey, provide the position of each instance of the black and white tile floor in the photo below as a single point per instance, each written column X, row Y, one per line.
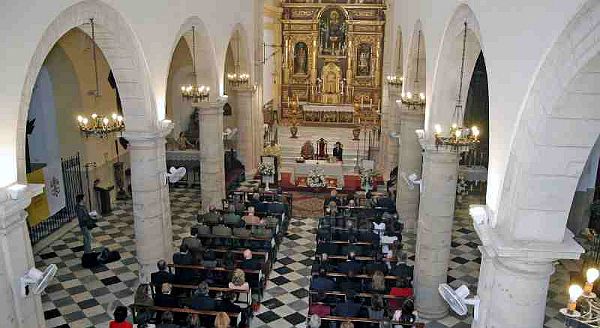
column 81, row 297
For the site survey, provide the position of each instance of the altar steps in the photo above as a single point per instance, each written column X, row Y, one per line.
column 290, row 148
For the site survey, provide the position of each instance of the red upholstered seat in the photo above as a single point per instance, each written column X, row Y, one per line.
column 352, row 182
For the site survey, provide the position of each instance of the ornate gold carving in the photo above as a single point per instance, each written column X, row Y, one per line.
column 303, row 13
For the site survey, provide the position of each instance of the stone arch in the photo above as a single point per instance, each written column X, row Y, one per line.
column 123, row 52
column 239, row 38
column 558, row 124
column 415, row 68
column 206, row 64
column 446, row 75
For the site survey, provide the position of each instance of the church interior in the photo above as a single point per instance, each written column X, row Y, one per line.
column 300, row 163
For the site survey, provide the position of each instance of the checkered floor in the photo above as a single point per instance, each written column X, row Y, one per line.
column 80, row 297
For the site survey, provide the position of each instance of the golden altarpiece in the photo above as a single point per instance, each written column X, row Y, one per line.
column 332, row 57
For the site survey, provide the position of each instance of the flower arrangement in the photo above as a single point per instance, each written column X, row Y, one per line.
column 272, row 150
column 366, row 178
column 316, row 178
column 266, row 169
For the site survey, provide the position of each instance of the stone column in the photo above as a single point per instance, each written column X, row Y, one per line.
column 409, row 161
column 212, row 161
column 514, row 276
column 151, row 204
column 434, row 229
column 243, row 99
column 388, row 154
column 16, row 259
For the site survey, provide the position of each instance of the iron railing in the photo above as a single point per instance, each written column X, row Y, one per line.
column 71, row 172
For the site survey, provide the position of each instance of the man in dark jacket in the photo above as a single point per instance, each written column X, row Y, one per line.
column 226, row 304
column 162, row 276
column 184, row 257
column 194, row 245
column 351, row 264
column 201, row 300
column 85, row 220
column 322, row 283
column 350, row 308
column 249, row 263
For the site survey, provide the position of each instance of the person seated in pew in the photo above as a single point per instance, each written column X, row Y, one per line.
column 209, row 259
column 251, row 218
column 402, row 289
column 387, row 203
column 183, row 257
column 194, row 321
column 233, row 219
column 228, row 261
column 194, row 245
column 349, row 308
column 332, row 198
column 167, row 321
column 255, row 201
column 225, row 304
column 376, row 265
column 238, row 281
column 165, row 298
column 210, row 217
column 327, row 247
column 160, row 277
column 370, row 202
column 322, row 282
column 350, row 282
column 201, row 300
column 351, row 264
column 322, row 262
column 401, row 269
column 314, row 321
column 347, row 324
column 377, row 283
column 249, row 263
column 376, row 310
column 406, row 314
column 120, row 315
column 222, row 320
column 319, row 305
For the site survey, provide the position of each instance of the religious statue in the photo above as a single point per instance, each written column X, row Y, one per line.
column 332, row 76
column 364, row 60
column 333, row 31
column 300, row 58
column 307, row 151
column 322, row 145
column 338, row 151
column 183, row 143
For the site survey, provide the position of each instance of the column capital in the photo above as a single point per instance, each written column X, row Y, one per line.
column 406, row 114
column 210, row 107
column 430, row 150
column 15, row 198
column 498, row 245
column 136, row 137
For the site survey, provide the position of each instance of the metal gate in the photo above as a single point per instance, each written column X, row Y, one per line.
column 71, row 172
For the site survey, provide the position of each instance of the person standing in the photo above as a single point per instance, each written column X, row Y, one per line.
column 338, row 152
column 85, row 223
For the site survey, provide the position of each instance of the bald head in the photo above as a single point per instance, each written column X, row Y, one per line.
column 247, row 254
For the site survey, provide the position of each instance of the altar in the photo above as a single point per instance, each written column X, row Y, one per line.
column 330, row 171
column 316, row 113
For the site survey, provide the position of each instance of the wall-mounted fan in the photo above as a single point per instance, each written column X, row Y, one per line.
column 412, row 180
column 36, row 280
column 174, row 175
column 458, row 301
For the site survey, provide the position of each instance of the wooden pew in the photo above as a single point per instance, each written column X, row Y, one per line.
column 370, row 295
column 261, row 281
column 219, row 289
column 367, row 320
column 358, row 276
column 235, row 316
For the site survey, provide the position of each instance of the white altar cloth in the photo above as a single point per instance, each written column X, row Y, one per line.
column 327, row 108
column 333, row 170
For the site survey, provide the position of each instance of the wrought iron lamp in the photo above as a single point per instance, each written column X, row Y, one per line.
column 394, row 81
column 99, row 125
column 193, row 91
column 408, row 99
column 587, row 311
column 237, row 80
column 460, row 138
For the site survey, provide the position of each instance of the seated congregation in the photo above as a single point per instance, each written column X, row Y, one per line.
column 360, row 275
column 218, row 275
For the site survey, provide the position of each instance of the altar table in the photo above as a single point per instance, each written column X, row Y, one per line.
column 190, row 159
column 330, row 170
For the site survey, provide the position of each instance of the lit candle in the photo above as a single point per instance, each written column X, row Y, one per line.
column 575, row 292
column 79, row 118
column 114, row 116
column 591, row 276
column 437, row 128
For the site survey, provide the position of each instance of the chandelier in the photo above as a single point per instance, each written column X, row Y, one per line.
column 193, row 91
column 394, row 81
column 238, row 79
column 586, row 310
column 99, row 125
column 459, row 137
column 408, row 99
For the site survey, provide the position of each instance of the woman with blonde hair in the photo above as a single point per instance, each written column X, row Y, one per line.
column 238, row 281
column 222, row 320
column 347, row 324
column 378, row 282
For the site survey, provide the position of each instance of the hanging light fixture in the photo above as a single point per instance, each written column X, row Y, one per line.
column 237, row 79
column 409, row 99
column 394, row 80
column 99, row 125
column 459, row 137
column 193, row 91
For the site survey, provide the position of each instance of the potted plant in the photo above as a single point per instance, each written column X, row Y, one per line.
column 267, row 173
